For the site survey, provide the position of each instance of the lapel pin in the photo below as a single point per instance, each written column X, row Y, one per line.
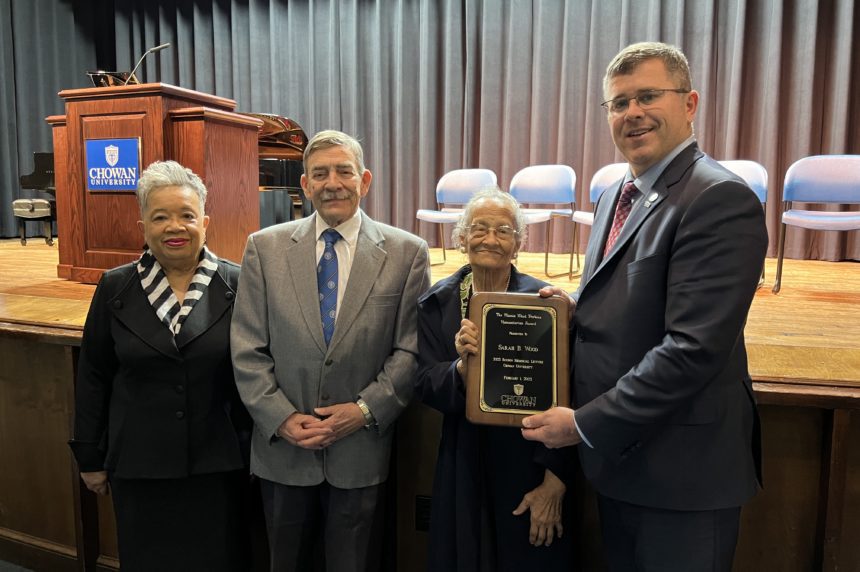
column 651, row 198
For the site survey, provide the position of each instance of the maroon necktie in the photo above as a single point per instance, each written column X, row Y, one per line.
column 622, row 210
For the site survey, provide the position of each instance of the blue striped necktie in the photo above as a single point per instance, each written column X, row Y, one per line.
column 327, row 283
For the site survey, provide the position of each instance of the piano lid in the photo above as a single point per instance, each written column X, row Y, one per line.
column 280, row 137
column 42, row 177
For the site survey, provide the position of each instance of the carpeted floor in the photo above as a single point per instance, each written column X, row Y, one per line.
column 6, row 567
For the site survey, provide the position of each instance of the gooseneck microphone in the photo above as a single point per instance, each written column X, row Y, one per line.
column 146, row 53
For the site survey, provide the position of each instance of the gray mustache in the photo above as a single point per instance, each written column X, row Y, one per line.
column 335, row 195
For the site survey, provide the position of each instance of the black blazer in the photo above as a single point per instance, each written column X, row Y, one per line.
column 149, row 406
column 660, row 376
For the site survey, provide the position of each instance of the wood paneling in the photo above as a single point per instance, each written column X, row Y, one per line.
column 221, row 148
column 36, row 484
column 110, row 218
column 778, row 526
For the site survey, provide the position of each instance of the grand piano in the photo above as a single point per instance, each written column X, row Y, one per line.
column 281, row 146
column 43, row 208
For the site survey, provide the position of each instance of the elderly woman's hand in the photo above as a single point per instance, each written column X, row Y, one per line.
column 466, row 343
column 96, row 481
column 544, row 503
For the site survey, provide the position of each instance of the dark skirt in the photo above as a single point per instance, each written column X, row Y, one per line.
column 195, row 523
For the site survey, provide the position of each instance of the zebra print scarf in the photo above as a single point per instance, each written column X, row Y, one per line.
column 167, row 307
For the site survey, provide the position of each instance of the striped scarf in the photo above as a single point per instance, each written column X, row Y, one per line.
column 160, row 294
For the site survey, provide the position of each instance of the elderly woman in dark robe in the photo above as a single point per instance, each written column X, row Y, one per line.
column 497, row 498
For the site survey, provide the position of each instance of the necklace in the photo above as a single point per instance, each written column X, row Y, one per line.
column 475, row 288
column 467, row 290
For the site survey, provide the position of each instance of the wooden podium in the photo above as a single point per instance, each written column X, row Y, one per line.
column 98, row 230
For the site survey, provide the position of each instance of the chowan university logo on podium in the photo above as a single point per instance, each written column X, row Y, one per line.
column 112, row 164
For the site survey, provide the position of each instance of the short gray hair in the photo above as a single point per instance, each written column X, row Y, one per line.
column 630, row 57
column 332, row 138
column 169, row 174
column 489, row 193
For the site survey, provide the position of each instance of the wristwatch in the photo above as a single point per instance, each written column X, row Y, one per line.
column 369, row 420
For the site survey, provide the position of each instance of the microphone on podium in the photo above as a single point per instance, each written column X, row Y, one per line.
column 146, row 53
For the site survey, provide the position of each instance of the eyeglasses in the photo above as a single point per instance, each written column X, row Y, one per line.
column 645, row 99
column 503, row 232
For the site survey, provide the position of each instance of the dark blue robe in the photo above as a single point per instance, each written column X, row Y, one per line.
column 482, row 472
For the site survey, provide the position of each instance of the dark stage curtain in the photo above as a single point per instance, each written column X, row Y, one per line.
column 45, row 46
column 433, row 85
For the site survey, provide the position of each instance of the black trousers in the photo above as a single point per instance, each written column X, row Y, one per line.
column 322, row 527
column 644, row 539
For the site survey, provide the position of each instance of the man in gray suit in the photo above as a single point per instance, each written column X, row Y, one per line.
column 324, row 348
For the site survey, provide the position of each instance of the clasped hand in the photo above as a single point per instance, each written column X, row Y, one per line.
column 330, row 424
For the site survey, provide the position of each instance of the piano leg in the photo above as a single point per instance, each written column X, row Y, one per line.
column 49, row 237
column 22, row 230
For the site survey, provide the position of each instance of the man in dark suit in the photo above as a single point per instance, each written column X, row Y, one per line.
column 665, row 417
column 324, row 343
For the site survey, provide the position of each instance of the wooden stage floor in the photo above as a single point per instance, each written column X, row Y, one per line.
column 807, row 335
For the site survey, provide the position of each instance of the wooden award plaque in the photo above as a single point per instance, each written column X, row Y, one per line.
column 522, row 366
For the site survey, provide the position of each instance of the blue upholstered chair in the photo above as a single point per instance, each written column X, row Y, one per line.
column 546, row 185
column 755, row 176
column 819, row 179
column 454, row 190
column 753, row 173
column 601, row 180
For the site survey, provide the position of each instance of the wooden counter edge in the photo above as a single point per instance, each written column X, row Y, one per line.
column 774, row 392
column 62, row 335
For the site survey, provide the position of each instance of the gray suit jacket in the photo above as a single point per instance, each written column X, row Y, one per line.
column 282, row 364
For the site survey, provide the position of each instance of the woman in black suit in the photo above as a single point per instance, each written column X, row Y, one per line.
column 158, row 420
column 497, row 498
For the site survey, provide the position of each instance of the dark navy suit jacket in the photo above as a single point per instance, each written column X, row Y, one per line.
column 660, row 378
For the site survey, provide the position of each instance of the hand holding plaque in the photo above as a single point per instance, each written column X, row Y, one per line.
column 522, row 362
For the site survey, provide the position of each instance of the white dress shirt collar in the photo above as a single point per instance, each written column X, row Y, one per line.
column 348, row 229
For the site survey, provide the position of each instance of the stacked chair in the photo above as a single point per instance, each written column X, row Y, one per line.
column 454, row 190
column 547, row 185
column 826, row 179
